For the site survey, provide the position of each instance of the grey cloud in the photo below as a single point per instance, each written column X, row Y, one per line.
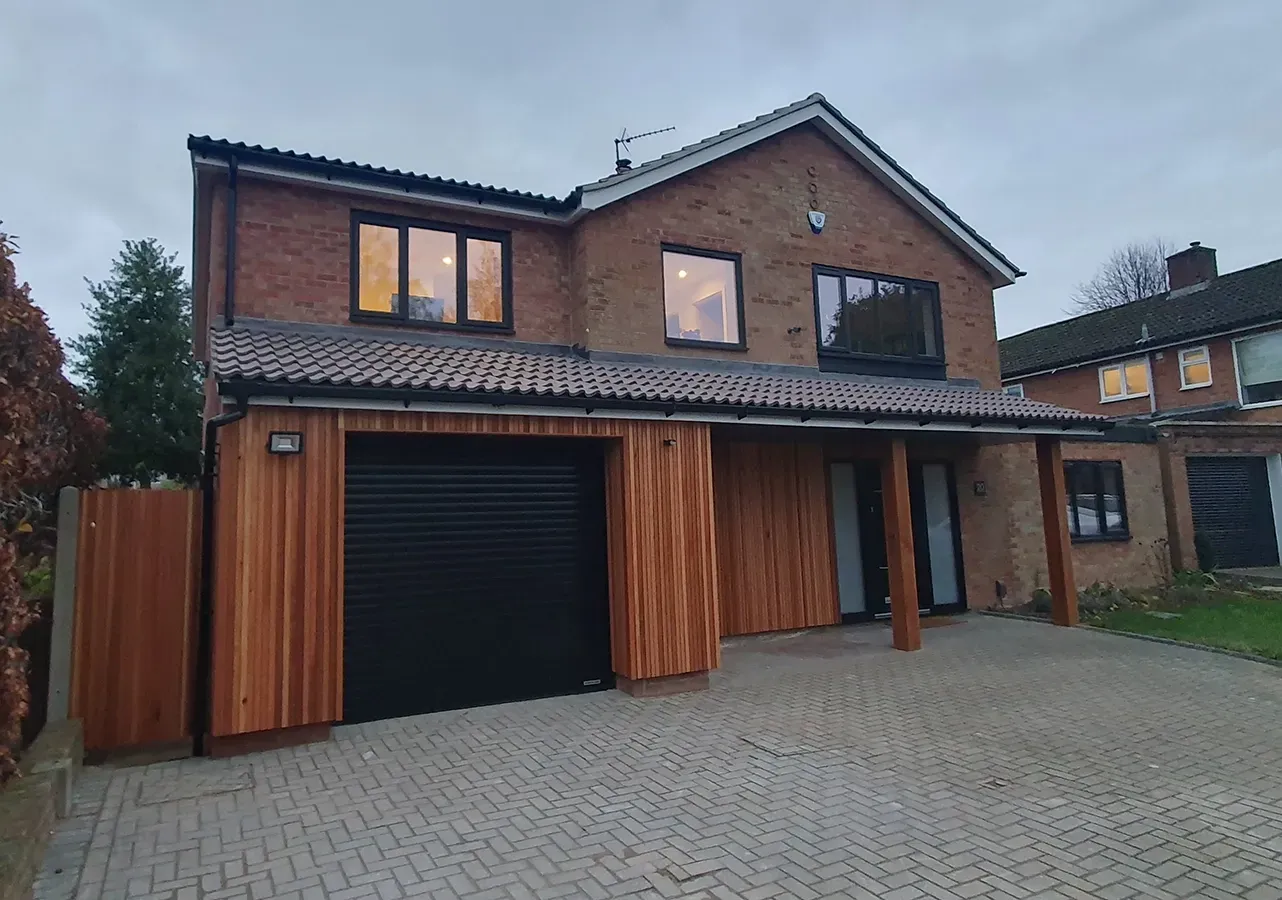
column 1060, row 130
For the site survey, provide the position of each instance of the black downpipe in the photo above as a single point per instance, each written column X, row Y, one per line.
column 200, row 707
column 229, row 277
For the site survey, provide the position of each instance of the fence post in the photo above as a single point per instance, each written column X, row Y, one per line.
column 64, row 604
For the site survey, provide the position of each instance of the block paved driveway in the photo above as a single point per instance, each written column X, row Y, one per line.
column 1007, row 759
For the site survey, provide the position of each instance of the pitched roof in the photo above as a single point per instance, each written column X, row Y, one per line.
column 587, row 197
column 269, row 354
column 1228, row 303
column 848, row 135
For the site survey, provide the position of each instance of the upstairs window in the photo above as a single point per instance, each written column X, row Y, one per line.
column 1195, row 368
column 1096, row 502
column 702, row 298
column 1014, row 390
column 1123, row 381
column 1259, row 368
column 877, row 324
column 420, row 273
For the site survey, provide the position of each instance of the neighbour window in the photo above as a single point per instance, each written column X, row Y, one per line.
column 874, row 318
column 1096, row 501
column 432, row 275
column 1124, row 380
column 1195, row 368
column 702, row 301
column 1014, row 390
column 1259, row 368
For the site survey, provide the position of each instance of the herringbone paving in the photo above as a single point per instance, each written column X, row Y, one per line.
column 1006, row 760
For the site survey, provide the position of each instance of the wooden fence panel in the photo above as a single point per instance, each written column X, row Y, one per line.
column 137, row 576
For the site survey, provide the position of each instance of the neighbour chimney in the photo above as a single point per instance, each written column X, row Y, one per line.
column 1196, row 265
column 623, row 165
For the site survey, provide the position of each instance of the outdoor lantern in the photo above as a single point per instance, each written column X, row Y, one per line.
column 285, row 442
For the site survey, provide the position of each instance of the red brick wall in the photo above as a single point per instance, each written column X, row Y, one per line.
column 754, row 202
column 1078, row 388
column 1140, row 562
column 293, row 255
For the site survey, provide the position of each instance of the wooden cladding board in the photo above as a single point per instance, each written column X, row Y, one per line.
column 774, row 537
column 279, row 549
column 137, row 572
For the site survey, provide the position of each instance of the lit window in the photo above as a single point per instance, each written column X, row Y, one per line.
column 1259, row 367
column 421, row 274
column 1014, row 390
column 1122, row 381
column 1096, row 501
column 1195, row 367
column 701, row 302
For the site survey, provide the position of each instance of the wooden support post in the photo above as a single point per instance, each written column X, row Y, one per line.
column 1059, row 551
column 905, row 622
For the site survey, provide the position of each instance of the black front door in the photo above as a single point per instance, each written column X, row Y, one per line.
column 936, row 538
column 474, row 572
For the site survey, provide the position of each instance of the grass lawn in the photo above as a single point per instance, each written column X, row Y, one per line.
column 1243, row 622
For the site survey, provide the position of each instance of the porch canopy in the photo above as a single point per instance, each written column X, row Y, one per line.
column 335, row 366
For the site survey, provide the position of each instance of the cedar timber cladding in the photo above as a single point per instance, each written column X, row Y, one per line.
column 773, row 537
column 138, row 562
column 278, row 585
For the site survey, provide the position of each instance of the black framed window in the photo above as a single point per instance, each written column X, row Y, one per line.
column 702, row 298
column 1096, row 501
column 877, row 324
column 430, row 274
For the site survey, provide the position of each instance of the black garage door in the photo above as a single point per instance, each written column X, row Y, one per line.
column 474, row 572
column 1232, row 507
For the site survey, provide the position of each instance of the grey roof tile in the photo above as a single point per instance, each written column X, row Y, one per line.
column 285, row 357
column 1236, row 300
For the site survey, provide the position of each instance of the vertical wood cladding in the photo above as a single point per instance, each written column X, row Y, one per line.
column 137, row 570
column 278, row 584
column 774, row 537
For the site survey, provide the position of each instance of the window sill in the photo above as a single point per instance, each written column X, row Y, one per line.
column 1101, row 538
column 704, row 345
column 1263, row 404
column 1194, row 387
column 418, row 324
column 1143, row 396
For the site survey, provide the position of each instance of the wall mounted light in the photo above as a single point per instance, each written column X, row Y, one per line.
column 285, row 442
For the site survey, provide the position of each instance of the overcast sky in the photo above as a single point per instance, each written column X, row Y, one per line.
column 1060, row 130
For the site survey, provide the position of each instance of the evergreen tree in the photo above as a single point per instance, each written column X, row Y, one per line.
column 137, row 367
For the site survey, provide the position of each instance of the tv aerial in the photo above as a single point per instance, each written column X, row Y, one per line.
column 621, row 145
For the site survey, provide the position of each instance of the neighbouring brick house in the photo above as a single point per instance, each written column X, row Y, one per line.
column 1200, row 367
column 475, row 444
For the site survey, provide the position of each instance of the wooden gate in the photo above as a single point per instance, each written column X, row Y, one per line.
column 137, row 577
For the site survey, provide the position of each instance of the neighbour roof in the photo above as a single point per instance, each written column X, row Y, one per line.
column 584, row 198
column 1230, row 302
column 271, row 355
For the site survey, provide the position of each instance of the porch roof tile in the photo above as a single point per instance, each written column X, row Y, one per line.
column 352, row 358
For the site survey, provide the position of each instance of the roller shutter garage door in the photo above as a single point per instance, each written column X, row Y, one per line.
column 1232, row 507
column 474, row 572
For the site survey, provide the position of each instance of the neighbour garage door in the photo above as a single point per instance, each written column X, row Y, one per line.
column 474, row 572
column 1232, row 507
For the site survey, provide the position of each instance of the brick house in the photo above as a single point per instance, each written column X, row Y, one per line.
column 1200, row 366
column 475, row 445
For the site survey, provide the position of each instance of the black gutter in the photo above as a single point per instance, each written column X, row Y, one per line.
column 286, row 160
column 201, row 706
column 604, row 405
column 229, row 272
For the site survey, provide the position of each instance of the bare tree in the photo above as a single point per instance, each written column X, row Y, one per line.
column 1135, row 271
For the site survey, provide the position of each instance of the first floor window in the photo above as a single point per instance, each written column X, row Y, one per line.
column 431, row 275
column 1259, row 367
column 701, row 297
column 1096, row 501
column 1195, row 367
column 877, row 315
column 1014, row 390
column 1124, row 380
